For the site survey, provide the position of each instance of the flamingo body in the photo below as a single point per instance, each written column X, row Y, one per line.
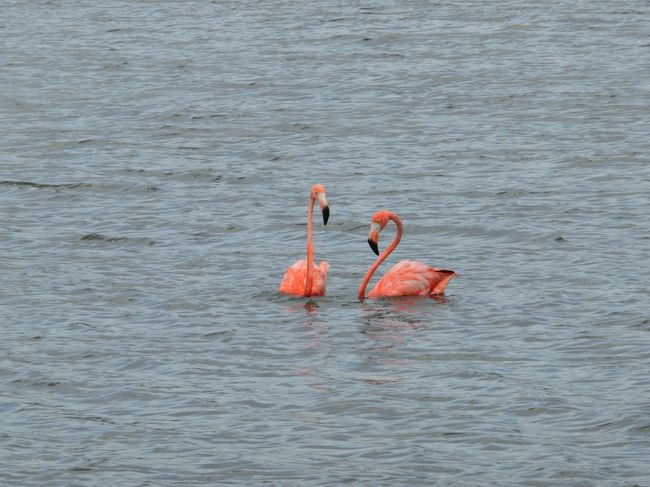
column 295, row 279
column 412, row 278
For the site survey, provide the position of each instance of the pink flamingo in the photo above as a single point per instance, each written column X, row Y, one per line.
column 304, row 278
column 406, row 278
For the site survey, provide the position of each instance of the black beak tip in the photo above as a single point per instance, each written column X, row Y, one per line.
column 373, row 246
column 326, row 214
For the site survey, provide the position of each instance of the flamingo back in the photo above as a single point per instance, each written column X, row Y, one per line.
column 293, row 281
column 412, row 278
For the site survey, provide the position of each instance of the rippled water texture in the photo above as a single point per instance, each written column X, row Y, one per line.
column 155, row 163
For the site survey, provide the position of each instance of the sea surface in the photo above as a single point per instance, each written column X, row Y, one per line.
column 155, row 165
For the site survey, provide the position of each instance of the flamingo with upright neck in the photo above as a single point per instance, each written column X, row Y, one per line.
column 406, row 278
column 304, row 278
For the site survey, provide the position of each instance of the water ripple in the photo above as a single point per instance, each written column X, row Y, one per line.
column 156, row 165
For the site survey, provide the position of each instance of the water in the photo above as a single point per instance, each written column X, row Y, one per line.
column 155, row 163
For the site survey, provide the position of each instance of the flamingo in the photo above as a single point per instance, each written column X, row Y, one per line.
column 406, row 278
column 304, row 278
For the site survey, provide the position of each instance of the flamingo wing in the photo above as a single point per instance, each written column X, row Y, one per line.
column 319, row 279
column 293, row 281
column 412, row 278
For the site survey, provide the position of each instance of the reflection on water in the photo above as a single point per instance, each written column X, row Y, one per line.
column 317, row 344
column 392, row 324
column 299, row 305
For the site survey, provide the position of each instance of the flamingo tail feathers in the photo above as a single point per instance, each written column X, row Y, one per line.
column 440, row 281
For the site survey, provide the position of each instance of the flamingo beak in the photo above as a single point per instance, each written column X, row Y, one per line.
column 324, row 207
column 373, row 238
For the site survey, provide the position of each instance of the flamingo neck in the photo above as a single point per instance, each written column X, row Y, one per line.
column 384, row 255
column 310, row 247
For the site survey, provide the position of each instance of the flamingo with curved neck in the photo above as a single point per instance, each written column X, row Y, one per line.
column 406, row 278
column 304, row 278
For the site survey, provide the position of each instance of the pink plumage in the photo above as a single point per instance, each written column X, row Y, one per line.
column 411, row 278
column 295, row 278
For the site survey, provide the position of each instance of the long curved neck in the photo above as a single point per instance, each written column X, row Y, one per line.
column 310, row 247
column 384, row 255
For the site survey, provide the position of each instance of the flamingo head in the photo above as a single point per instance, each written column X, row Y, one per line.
column 377, row 224
column 318, row 193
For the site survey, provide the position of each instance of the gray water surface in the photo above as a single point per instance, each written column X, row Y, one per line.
column 155, row 165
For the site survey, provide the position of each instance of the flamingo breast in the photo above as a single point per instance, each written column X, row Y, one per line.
column 294, row 278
